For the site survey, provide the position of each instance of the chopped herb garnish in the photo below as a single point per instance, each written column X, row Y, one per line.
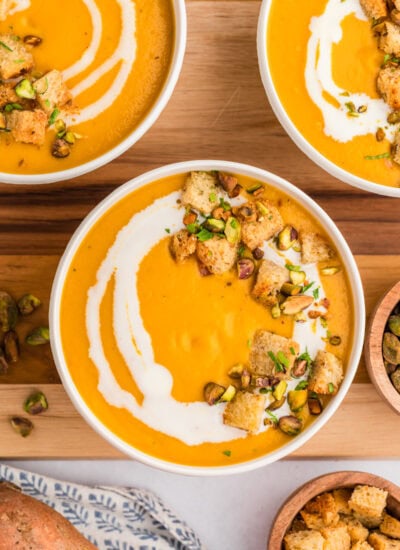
column 53, row 116
column 167, row 230
column 3, row 45
column 225, row 205
column 292, row 267
column 204, row 235
column 254, row 188
column 316, row 293
column 47, row 103
column 274, row 418
column 213, row 197
column 265, row 390
column 283, row 360
column 234, row 223
column 331, row 387
column 377, row 157
column 279, row 367
column 249, row 343
column 307, row 287
column 193, row 228
column 292, row 351
column 306, row 357
column 12, row 106
column 241, row 250
column 302, row 385
column 227, row 452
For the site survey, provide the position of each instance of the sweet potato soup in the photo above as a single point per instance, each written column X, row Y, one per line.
column 206, row 319
column 327, row 65
column 74, row 83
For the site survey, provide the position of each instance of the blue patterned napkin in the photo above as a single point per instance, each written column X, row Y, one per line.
column 112, row 518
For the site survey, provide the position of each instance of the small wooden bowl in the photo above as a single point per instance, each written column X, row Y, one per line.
column 315, row 487
column 373, row 347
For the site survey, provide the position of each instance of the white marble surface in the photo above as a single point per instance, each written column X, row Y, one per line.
column 229, row 513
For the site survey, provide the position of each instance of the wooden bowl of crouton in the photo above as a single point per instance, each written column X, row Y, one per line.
column 380, row 370
column 354, row 510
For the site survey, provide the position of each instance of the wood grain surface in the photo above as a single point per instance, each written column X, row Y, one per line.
column 219, row 110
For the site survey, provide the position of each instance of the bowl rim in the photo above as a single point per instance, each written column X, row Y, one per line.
column 172, row 169
column 373, row 347
column 290, row 128
column 179, row 47
column 314, row 487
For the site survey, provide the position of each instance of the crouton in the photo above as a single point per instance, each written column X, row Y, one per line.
column 304, row 540
column 368, row 504
column 51, row 91
column 245, row 411
column 336, row 538
column 388, row 84
column 269, row 281
column 389, row 38
column 298, row 524
column 182, row 245
column 7, row 95
column 361, row 546
column 14, row 57
column 5, row 6
column 396, row 148
column 265, row 342
column 342, row 497
column 270, row 222
column 380, row 542
column 314, row 248
column 3, row 122
column 326, row 374
column 323, row 506
column 374, row 9
column 356, row 530
column 201, row 192
column 217, row 254
column 312, row 521
column 390, row 526
column 28, row 126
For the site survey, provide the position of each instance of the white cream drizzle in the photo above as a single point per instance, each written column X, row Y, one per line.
column 192, row 423
column 326, row 30
column 13, row 7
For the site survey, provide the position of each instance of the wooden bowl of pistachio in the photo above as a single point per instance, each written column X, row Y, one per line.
column 382, row 347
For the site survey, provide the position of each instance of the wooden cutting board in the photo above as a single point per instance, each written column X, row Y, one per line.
column 219, row 110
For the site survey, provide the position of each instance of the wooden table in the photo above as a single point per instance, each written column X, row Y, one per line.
column 219, row 110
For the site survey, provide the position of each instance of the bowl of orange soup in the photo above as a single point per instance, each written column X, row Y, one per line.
column 331, row 76
column 207, row 318
column 81, row 86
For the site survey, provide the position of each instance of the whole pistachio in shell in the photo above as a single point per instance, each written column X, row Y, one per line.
column 11, row 346
column 38, row 336
column 28, row 303
column 394, row 324
column 8, row 312
column 391, row 348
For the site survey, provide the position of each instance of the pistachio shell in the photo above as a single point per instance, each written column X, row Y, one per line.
column 8, row 312
column 290, row 425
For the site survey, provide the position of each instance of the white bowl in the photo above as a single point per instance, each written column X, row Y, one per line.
column 257, row 174
column 179, row 47
column 285, row 120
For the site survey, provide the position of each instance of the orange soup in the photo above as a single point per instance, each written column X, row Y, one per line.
column 324, row 64
column 171, row 322
column 91, row 72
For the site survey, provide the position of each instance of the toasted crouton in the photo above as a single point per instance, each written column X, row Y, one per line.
column 388, row 84
column 396, row 148
column 245, row 411
column 201, row 192
column 368, row 504
column 336, row 538
column 52, row 92
column 270, row 278
column 390, row 526
column 7, row 95
column 217, row 254
column 327, row 373
column 389, row 38
column 314, row 248
column 380, row 542
column 374, row 9
column 14, row 57
column 265, row 342
column 364, row 545
column 324, row 508
column 268, row 224
column 342, row 497
column 182, row 245
column 356, row 530
column 28, row 126
column 304, row 540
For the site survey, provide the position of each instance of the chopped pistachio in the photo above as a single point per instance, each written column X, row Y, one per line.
column 216, row 226
column 258, row 253
column 59, row 126
column 290, row 425
column 253, row 188
column 263, row 210
column 391, row 348
column 297, row 277
column 290, row 289
column 277, row 404
column 228, row 394
column 245, row 379
column 28, row 304
column 335, row 340
column 279, row 390
column 53, row 116
column 245, row 267
column 297, row 399
column 38, row 336
column 380, row 134
column 213, row 393
column 331, row 270
column 22, row 426
column 25, row 90
column 314, row 406
column 36, row 403
column 287, row 237
column 11, row 346
column 275, row 311
column 394, row 117
column 8, row 312
column 232, row 230
column 236, row 371
column 299, row 368
column 32, row 40
column 331, row 387
column 70, row 138
column 394, row 324
column 295, row 304
column 300, row 317
column 60, row 149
